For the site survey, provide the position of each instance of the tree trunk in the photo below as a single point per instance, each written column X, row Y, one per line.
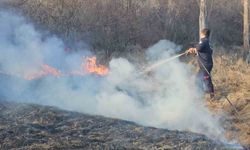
column 246, row 25
column 203, row 15
column 246, row 29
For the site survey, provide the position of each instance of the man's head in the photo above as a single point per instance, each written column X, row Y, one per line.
column 205, row 33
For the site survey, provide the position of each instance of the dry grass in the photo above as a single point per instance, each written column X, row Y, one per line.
column 231, row 76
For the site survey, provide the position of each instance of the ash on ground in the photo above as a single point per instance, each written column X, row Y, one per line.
column 28, row 126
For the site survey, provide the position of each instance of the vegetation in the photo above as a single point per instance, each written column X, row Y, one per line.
column 113, row 25
column 118, row 26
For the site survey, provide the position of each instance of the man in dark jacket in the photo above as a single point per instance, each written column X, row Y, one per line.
column 205, row 61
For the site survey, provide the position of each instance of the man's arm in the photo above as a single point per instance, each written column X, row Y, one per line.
column 199, row 48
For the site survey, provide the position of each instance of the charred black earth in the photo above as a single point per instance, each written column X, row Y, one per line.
column 29, row 126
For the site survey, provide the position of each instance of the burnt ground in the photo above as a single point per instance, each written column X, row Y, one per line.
column 28, row 126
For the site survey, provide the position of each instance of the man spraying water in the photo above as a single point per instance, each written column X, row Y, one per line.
column 205, row 61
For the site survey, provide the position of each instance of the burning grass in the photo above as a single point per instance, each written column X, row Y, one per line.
column 88, row 66
column 231, row 79
column 91, row 67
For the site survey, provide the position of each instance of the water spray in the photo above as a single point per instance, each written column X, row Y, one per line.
column 159, row 63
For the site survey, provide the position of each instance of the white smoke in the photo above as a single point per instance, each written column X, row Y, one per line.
column 167, row 98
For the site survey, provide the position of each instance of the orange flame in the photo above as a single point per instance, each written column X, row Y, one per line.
column 46, row 70
column 91, row 67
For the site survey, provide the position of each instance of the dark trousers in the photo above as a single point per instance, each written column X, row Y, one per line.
column 204, row 79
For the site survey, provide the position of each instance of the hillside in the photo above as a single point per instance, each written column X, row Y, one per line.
column 96, row 56
column 26, row 126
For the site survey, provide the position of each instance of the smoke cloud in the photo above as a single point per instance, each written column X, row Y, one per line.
column 167, row 98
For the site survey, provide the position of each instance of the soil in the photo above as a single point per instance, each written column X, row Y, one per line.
column 28, row 126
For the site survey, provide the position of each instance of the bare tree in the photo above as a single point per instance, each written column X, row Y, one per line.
column 113, row 25
column 246, row 29
column 245, row 25
column 203, row 15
